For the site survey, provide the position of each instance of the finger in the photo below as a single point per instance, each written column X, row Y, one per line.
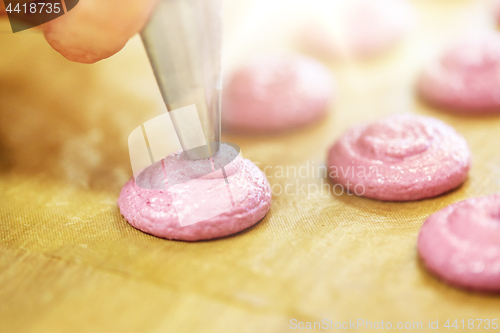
column 97, row 29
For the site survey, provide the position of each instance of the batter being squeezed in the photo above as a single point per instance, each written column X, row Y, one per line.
column 194, row 193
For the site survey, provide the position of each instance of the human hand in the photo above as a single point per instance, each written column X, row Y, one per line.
column 96, row 29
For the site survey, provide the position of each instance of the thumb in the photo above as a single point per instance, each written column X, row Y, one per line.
column 97, row 29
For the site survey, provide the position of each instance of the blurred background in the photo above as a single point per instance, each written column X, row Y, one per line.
column 70, row 262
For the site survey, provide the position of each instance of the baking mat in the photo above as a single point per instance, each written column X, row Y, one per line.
column 70, row 263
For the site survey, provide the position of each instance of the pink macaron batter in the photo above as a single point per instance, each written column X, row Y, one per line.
column 374, row 26
column 195, row 193
column 277, row 93
column 360, row 29
column 461, row 244
column 466, row 78
column 400, row 158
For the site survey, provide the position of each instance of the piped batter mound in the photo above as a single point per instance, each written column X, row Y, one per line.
column 276, row 93
column 360, row 28
column 374, row 26
column 400, row 158
column 461, row 244
column 178, row 210
column 466, row 77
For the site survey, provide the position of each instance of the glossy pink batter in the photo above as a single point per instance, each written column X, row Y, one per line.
column 155, row 211
column 461, row 243
column 276, row 93
column 466, row 77
column 400, row 158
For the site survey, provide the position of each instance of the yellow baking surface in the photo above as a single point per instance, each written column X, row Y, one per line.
column 69, row 262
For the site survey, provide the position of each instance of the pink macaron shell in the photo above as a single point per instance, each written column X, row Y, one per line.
column 461, row 244
column 466, row 78
column 374, row 26
column 362, row 29
column 277, row 93
column 152, row 210
column 400, row 158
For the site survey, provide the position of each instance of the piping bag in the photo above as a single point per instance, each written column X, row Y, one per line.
column 183, row 41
